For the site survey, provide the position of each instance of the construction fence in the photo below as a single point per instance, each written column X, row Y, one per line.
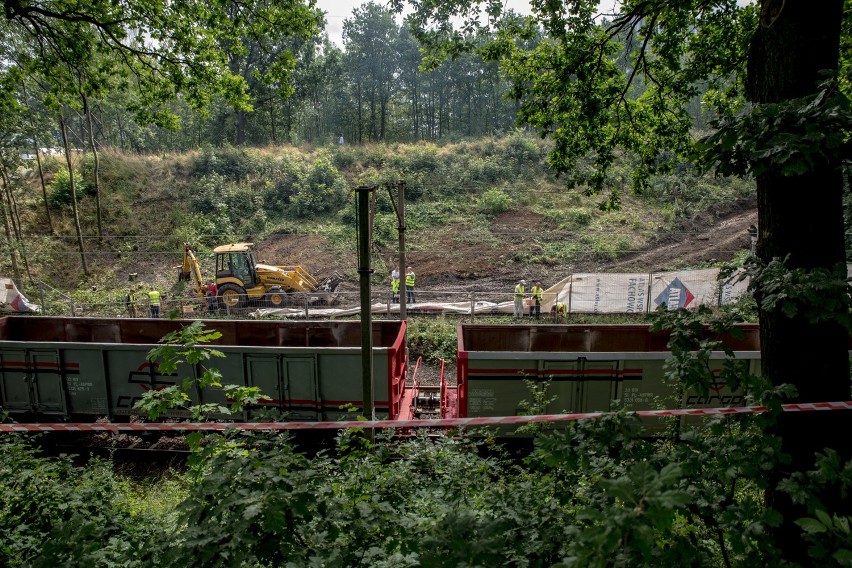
column 582, row 293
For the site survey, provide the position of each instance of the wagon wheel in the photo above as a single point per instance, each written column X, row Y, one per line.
column 232, row 296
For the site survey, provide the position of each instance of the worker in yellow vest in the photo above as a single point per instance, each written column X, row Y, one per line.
column 409, row 286
column 154, row 303
column 130, row 304
column 519, row 298
column 559, row 311
column 535, row 309
column 395, row 288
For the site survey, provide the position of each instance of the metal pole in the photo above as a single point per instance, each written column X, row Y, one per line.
column 364, row 272
column 400, row 212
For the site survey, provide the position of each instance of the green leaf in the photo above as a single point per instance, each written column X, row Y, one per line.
column 811, row 525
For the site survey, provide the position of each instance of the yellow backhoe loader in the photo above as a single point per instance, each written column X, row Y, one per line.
column 242, row 280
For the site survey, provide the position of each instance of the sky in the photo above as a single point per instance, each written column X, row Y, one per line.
column 338, row 10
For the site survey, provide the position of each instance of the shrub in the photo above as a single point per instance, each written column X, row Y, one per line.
column 323, row 190
column 284, row 183
column 579, row 216
column 60, row 188
column 227, row 161
column 493, row 202
column 55, row 514
column 433, row 339
column 522, row 147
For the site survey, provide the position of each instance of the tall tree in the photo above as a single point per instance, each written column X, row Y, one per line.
column 765, row 69
column 370, row 38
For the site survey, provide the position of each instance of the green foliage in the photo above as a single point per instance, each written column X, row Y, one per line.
column 493, row 202
column 184, row 349
column 235, row 164
column 60, row 188
column 228, row 206
column 55, row 514
column 321, row 191
column 817, row 295
column 828, row 535
column 787, row 138
column 433, row 339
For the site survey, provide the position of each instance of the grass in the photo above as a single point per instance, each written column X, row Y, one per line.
column 455, row 188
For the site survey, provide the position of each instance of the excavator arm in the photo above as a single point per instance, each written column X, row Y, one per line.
column 190, row 270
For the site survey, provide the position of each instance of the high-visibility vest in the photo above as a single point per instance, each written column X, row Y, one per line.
column 395, row 285
column 560, row 309
column 536, row 292
column 409, row 279
column 154, row 297
column 519, row 291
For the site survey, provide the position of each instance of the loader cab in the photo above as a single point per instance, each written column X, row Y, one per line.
column 236, row 261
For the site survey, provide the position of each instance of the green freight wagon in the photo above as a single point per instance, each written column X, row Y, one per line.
column 588, row 366
column 80, row 369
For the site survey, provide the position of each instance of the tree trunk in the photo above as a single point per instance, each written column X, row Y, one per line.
column 240, row 128
column 97, row 165
column 43, row 186
column 38, row 161
column 360, row 114
column 10, row 240
column 16, row 222
column 801, row 216
column 64, row 130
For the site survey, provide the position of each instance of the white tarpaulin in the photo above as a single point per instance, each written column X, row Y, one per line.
column 609, row 293
column 601, row 293
column 733, row 288
column 11, row 300
column 425, row 307
column 685, row 289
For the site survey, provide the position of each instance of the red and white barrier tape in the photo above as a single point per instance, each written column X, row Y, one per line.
column 443, row 422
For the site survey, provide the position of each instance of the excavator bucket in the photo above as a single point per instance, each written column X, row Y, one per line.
column 326, row 293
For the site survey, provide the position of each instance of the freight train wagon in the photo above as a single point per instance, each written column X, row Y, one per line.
column 589, row 366
column 80, row 369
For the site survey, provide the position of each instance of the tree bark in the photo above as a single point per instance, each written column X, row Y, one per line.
column 16, row 222
column 801, row 216
column 10, row 241
column 97, row 165
column 38, row 161
column 64, row 130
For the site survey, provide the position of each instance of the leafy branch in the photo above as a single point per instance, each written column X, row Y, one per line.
column 186, row 347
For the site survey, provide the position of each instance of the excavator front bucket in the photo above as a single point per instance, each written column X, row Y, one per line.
column 326, row 293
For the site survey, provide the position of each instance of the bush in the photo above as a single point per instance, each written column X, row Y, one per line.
column 55, row 514
column 233, row 163
column 493, row 202
column 433, row 339
column 284, row 182
column 60, row 188
column 522, row 147
column 323, row 190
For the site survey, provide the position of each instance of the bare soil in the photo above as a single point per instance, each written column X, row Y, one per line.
column 713, row 236
column 448, row 264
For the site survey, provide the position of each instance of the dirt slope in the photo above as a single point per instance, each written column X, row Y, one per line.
column 450, row 262
column 713, row 237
